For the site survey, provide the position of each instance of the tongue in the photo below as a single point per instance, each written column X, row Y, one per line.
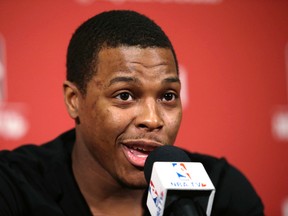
column 135, row 157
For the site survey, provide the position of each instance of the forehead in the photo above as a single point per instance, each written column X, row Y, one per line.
column 135, row 60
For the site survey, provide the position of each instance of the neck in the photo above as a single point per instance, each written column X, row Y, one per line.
column 103, row 194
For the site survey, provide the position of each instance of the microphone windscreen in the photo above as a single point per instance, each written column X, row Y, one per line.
column 164, row 154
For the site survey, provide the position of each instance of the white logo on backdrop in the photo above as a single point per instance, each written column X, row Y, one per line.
column 280, row 117
column 13, row 124
column 285, row 207
column 2, row 77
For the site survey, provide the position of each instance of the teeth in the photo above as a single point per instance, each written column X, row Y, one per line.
column 139, row 149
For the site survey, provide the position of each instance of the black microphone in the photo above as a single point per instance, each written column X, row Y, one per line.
column 164, row 154
column 177, row 186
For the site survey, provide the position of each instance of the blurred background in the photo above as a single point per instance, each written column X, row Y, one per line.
column 233, row 59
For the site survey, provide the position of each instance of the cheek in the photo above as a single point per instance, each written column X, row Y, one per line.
column 177, row 122
column 111, row 120
column 173, row 122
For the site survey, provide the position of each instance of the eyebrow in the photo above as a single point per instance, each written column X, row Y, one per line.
column 171, row 80
column 133, row 79
column 122, row 79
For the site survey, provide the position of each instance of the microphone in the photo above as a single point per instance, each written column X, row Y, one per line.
column 177, row 186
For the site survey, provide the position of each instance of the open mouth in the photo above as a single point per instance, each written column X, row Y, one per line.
column 137, row 154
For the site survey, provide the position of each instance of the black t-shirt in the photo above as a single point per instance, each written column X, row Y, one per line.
column 38, row 181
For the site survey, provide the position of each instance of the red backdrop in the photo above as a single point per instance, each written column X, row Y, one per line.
column 234, row 60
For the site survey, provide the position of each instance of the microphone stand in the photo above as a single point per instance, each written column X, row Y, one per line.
column 184, row 207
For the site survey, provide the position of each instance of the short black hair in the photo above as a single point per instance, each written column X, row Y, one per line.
column 110, row 29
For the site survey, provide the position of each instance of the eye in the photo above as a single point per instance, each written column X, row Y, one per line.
column 125, row 96
column 169, row 96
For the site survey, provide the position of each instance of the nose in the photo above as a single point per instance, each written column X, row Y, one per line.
column 149, row 116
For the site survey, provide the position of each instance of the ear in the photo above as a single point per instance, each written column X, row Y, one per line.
column 71, row 98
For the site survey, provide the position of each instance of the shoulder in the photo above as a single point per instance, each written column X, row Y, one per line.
column 35, row 160
column 235, row 194
column 33, row 154
column 27, row 172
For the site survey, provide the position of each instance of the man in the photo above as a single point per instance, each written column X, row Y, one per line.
column 123, row 92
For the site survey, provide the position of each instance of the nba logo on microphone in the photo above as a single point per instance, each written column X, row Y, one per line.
column 156, row 197
column 155, row 194
column 181, row 171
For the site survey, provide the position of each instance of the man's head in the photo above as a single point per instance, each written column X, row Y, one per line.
column 123, row 90
column 110, row 30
